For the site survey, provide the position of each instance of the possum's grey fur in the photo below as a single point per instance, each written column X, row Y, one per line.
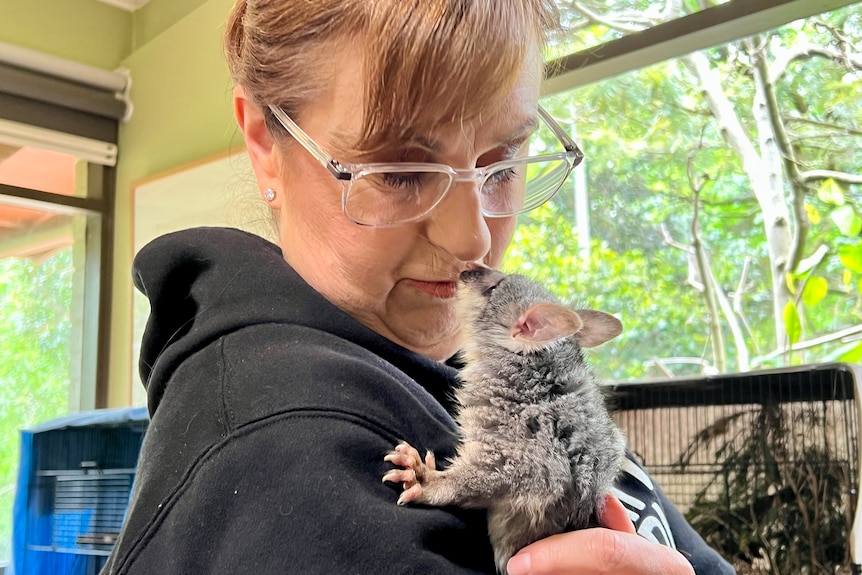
column 539, row 449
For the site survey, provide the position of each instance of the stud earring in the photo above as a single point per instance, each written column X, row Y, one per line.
column 269, row 194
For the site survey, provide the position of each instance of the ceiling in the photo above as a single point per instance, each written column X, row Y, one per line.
column 130, row 5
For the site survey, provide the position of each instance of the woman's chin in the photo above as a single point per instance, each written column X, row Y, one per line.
column 430, row 331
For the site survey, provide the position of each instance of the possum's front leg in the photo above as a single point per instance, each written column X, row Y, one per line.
column 423, row 483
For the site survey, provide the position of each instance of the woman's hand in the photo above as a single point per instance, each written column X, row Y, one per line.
column 613, row 550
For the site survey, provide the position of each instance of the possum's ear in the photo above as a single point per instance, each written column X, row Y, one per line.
column 544, row 323
column 599, row 327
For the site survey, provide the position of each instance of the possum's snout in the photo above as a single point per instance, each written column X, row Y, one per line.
column 474, row 275
column 481, row 276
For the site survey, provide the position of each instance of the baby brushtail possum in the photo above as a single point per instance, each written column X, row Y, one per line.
column 539, row 449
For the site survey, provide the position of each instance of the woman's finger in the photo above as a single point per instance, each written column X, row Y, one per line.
column 599, row 550
column 615, row 516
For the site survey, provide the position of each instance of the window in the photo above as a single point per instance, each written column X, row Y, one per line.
column 593, row 24
column 58, row 134
column 49, row 286
column 719, row 207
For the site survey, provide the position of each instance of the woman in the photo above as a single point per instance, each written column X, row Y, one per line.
column 278, row 376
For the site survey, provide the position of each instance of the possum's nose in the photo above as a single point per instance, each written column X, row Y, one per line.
column 481, row 275
column 475, row 274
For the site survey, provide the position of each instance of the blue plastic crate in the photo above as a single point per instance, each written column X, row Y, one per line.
column 74, row 483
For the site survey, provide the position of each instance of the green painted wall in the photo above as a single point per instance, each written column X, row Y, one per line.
column 85, row 31
column 181, row 94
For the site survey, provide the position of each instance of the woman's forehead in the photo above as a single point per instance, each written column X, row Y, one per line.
column 507, row 126
column 505, row 114
column 443, row 91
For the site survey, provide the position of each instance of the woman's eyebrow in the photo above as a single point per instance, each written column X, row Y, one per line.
column 522, row 132
column 429, row 145
column 516, row 135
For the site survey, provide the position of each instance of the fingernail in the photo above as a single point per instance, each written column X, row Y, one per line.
column 519, row 564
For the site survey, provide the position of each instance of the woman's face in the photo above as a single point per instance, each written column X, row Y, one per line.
column 399, row 281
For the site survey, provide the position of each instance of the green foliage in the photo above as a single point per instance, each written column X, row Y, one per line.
column 816, row 288
column 35, row 327
column 792, row 323
column 584, row 32
column 664, row 181
column 655, row 152
column 776, row 505
column 830, row 192
column 630, row 284
column 848, row 221
column 851, row 257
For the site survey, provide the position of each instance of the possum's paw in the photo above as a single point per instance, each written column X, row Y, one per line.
column 414, row 474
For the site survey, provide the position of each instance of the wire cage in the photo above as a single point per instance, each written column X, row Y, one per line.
column 74, row 485
column 765, row 464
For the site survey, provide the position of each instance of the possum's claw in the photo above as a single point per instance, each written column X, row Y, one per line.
column 400, row 476
column 411, row 494
column 414, row 472
column 406, row 456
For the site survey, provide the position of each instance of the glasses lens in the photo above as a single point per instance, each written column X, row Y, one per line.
column 390, row 196
column 519, row 186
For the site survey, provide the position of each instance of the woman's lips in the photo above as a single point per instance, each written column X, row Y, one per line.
column 442, row 290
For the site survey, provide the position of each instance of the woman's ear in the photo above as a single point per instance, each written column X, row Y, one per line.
column 258, row 143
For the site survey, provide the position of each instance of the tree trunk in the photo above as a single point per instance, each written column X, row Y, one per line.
column 762, row 165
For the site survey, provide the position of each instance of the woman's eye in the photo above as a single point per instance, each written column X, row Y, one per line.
column 403, row 180
column 500, row 182
column 503, row 176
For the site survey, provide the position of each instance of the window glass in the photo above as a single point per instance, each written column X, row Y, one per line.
column 719, row 207
column 41, row 298
column 589, row 23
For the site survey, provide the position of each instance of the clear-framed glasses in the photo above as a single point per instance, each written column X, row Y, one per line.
column 389, row 194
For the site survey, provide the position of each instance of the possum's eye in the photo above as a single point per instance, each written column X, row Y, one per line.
column 490, row 289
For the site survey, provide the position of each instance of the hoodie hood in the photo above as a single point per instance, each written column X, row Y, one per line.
column 205, row 283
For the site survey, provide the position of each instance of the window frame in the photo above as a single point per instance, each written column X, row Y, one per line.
column 710, row 27
column 98, row 208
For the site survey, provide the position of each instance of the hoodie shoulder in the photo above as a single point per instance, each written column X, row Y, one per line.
column 204, row 283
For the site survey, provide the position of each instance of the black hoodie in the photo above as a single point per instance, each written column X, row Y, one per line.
column 271, row 410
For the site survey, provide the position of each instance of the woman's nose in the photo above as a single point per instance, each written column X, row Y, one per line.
column 457, row 224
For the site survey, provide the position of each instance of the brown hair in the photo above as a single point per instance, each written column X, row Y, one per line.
column 453, row 57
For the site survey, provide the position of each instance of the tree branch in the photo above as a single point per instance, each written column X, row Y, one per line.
column 791, row 167
column 612, row 23
column 762, row 167
column 844, row 130
column 784, row 58
column 843, row 335
column 816, row 175
column 709, row 287
column 724, row 113
column 741, row 288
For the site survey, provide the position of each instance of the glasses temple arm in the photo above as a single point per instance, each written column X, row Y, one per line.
column 310, row 145
column 558, row 131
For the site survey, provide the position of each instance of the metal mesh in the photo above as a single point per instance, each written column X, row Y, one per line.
column 89, row 509
column 764, row 464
